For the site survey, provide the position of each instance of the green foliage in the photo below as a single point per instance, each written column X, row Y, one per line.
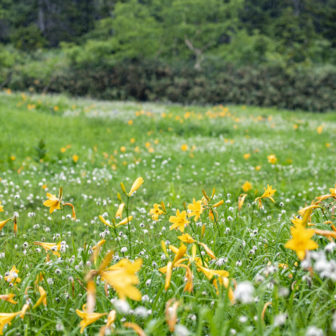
column 207, row 51
column 28, row 38
column 241, row 31
column 217, row 83
column 40, row 151
column 9, row 57
column 57, row 20
column 250, row 244
column 136, row 33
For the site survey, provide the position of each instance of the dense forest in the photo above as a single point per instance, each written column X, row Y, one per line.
column 100, row 47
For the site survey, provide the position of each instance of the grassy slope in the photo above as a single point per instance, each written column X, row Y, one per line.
column 96, row 132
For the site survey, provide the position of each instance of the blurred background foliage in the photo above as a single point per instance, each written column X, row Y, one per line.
column 259, row 52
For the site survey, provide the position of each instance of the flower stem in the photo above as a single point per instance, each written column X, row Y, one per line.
column 129, row 230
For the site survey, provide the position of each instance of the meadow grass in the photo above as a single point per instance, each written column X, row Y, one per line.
column 88, row 147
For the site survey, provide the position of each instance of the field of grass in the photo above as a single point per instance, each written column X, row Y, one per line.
column 182, row 153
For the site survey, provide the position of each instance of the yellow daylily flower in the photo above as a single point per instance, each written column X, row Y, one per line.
column 195, row 209
column 180, row 253
column 110, row 320
column 325, row 233
column 54, row 248
column 6, row 318
column 156, row 211
column 223, row 281
column 298, row 221
column 122, row 278
column 169, row 269
column 189, row 276
column 207, row 250
column 1, row 208
column 75, row 158
column 91, row 296
column 136, row 185
column 301, row 240
column 306, row 212
column 179, row 221
column 184, row 147
column 42, row 299
column 247, row 186
column 209, row 273
column 268, row 193
column 8, row 298
column 3, row 223
column 186, row 238
column 272, row 159
column 96, row 249
column 218, row 204
column 332, row 194
column 38, row 279
column 164, row 248
column 15, row 229
column 171, row 313
column 135, row 327
column 107, row 259
column 87, row 318
column 125, row 221
column 104, row 221
column 120, row 211
column 241, row 200
column 24, row 310
column 12, row 276
column 53, row 202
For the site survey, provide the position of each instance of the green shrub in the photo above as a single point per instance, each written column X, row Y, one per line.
column 215, row 83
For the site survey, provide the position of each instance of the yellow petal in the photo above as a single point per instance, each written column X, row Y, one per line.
column 136, row 185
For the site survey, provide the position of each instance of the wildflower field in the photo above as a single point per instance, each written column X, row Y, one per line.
column 153, row 219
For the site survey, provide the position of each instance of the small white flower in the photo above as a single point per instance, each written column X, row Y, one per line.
column 314, row 331
column 59, row 327
column 283, row 291
column 145, row 298
column 121, row 305
column 181, row 330
column 220, row 261
column 141, row 312
column 330, row 247
column 333, row 324
column 259, row 278
column 280, row 319
column 244, row 292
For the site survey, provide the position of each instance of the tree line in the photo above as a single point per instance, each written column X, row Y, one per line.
column 258, row 52
column 235, row 31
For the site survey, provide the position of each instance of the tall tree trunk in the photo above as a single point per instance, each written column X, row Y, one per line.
column 40, row 17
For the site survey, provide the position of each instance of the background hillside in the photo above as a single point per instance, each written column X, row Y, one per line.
column 257, row 52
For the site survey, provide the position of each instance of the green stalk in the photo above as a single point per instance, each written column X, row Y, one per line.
column 129, row 230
